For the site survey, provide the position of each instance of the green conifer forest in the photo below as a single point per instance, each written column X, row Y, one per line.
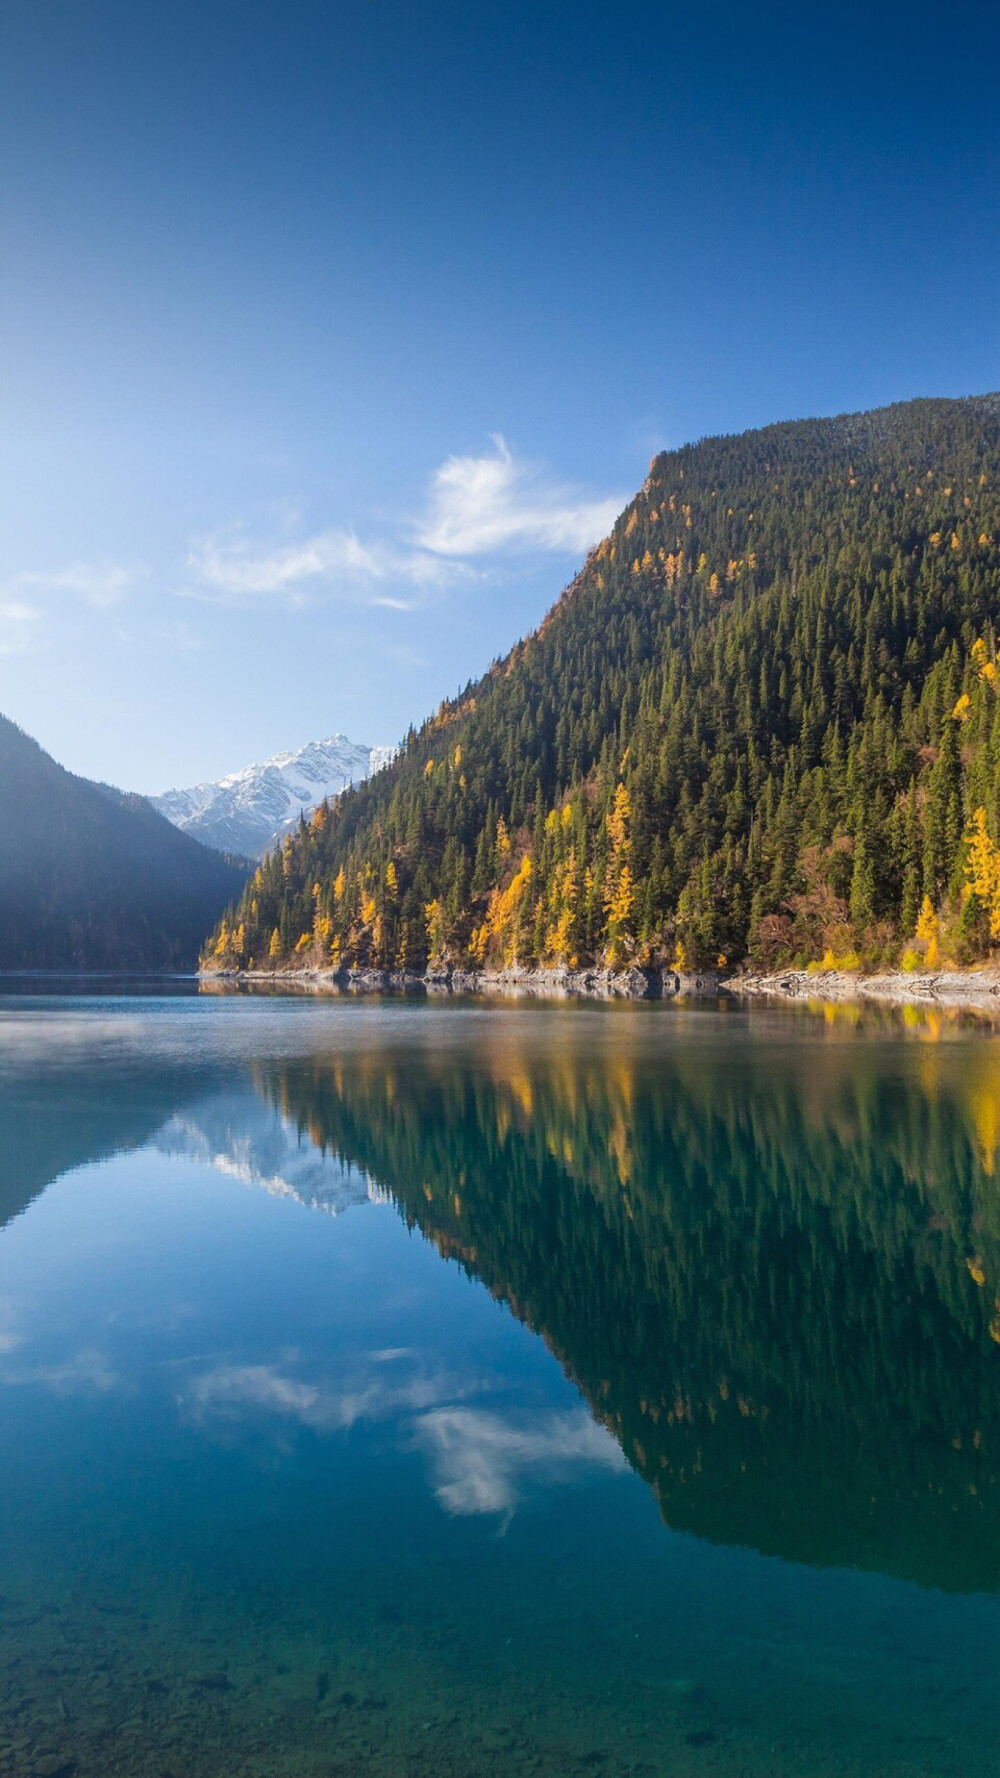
column 763, row 722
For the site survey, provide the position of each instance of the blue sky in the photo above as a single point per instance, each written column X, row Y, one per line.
column 332, row 334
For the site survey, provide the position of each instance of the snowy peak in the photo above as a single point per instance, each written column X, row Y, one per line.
column 252, row 1141
column 250, row 810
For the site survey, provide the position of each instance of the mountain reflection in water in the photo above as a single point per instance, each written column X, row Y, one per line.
column 284, row 1493
column 775, row 1283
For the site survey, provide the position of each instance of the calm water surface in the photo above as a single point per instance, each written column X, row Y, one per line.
column 451, row 1389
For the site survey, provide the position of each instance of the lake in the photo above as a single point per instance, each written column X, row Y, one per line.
column 443, row 1389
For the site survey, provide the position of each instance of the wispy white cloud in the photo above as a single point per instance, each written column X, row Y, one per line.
column 27, row 599
column 19, row 626
column 234, row 1391
column 87, row 1372
column 482, row 517
column 10, row 1336
column 234, row 568
column 479, row 1459
column 99, row 583
column 478, row 511
column 500, row 503
column 231, row 1391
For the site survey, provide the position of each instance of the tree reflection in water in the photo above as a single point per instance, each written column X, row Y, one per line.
column 772, row 1269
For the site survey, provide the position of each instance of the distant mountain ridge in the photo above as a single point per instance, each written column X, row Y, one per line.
column 92, row 878
column 249, row 811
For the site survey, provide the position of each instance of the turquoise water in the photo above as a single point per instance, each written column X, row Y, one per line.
column 413, row 1389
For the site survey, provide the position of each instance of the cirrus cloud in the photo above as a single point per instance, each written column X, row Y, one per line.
column 499, row 503
column 479, row 513
column 232, row 568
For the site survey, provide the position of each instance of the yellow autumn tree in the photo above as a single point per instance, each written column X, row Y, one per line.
column 434, row 915
column 983, row 661
column 618, row 906
column 503, row 909
column 982, row 869
column 928, row 933
column 619, row 889
column 563, row 903
column 618, row 822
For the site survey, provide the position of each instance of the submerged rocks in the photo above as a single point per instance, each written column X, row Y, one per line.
column 213, row 1682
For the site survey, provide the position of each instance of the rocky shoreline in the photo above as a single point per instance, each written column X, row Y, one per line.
column 560, row 983
column 954, row 987
column 948, row 987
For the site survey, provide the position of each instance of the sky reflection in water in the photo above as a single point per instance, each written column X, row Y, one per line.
column 685, row 1460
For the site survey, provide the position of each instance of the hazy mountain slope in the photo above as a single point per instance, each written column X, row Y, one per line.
column 760, row 719
column 52, row 1121
column 92, row 878
column 250, row 810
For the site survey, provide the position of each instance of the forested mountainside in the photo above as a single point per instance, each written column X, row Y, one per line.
column 763, row 720
column 92, row 878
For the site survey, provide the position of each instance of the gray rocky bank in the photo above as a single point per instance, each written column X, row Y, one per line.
column 599, row 984
column 972, row 988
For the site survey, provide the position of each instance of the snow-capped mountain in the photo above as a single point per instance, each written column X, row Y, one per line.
column 250, row 810
column 249, row 1139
